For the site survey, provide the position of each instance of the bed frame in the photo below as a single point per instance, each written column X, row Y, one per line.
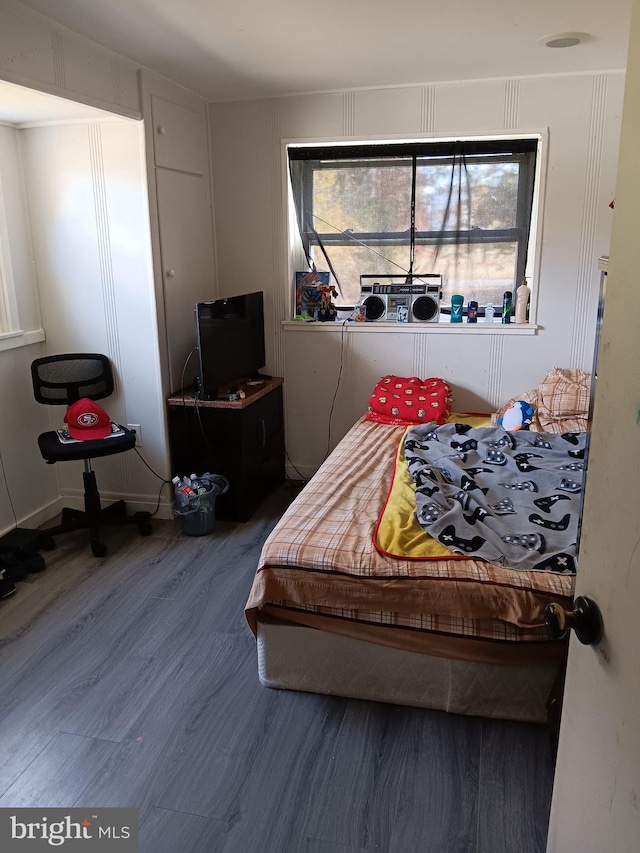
column 294, row 657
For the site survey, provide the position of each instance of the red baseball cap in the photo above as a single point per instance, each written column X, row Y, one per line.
column 87, row 420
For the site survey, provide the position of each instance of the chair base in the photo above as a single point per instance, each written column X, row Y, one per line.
column 94, row 517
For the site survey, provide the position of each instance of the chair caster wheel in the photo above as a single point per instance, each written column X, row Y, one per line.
column 144, row 525
column 99, row 549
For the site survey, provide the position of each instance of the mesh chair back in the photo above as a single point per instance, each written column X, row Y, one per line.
column 60, row 380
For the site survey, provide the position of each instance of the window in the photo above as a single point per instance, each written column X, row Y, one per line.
column 460, row 209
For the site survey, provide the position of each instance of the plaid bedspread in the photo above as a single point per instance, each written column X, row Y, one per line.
column 320, row 558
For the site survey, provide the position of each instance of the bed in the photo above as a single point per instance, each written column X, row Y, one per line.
column 335, row 610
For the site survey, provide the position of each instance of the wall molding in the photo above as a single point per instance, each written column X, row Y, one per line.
column 420, row 357
column 428, row 109
column 349, row 113
column 57, row 47
column 494, row 379
column 511, row 103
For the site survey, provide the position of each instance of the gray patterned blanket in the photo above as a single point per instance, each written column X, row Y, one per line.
column 512, row 498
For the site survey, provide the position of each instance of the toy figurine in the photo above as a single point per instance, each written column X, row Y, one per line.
column 327, row 310
column 518, row 416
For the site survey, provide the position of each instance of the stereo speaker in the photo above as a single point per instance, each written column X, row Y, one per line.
column 382, row 300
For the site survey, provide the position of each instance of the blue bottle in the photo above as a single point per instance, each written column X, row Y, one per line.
column 507, row 303
column 472, row 311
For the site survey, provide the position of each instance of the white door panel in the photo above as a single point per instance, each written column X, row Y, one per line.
column 596, row 798
column 187, row 263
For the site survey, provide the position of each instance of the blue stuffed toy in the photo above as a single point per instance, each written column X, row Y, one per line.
column 518, row 416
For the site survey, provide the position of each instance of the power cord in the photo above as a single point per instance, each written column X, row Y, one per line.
column 304, row 479
column 196, row 406
column 335, row 393
column 6, row 483
column 155, row 474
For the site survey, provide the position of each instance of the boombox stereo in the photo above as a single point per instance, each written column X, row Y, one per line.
column 383, row 295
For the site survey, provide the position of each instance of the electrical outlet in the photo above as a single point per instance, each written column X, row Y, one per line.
column 138, row 431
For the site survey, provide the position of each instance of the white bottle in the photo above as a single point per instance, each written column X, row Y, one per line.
column 197, row 485
column 522, row 300
column 489, row 312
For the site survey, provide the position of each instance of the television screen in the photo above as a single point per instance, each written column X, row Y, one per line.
column 230, row 338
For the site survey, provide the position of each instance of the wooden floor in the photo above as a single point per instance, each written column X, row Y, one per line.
column 131, row 681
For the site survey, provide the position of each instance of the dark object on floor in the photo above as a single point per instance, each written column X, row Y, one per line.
column 7, row 586
column 27, row 539
column 33, row 562
column 13, row 568
column 63, row 380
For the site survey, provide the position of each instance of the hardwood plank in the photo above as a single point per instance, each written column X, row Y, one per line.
column 356, row 799
column 438, row 808
column 59, row 772
column 70, row 599
column 516, row 784
column 168, row 832
column 266, row 788
column 315, row 845
column 89, row 635
column 193, row 715
column 37, row 700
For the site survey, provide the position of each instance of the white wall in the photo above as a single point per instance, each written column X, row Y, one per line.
column 582, row 113
column 36, row 52
column 122, row 310
column 18, row 228
column 39, row 53
column 90, row 220
column 20, row 421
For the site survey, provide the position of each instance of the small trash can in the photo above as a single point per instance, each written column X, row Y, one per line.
column 197, row 513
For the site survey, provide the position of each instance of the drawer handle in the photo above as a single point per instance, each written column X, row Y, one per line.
column 262, row 432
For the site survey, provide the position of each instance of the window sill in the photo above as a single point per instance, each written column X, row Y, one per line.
column 441, row 328
column 13, row 340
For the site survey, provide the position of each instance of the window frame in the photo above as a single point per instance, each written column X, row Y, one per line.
column 12, row 335
column 528, row 260
column 9, row 323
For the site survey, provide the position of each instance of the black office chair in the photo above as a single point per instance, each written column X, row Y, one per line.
column 60, row 380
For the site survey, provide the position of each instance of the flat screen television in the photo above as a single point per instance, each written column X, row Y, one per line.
column 230, row 339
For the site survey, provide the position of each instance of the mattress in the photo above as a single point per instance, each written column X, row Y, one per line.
column 320, row 569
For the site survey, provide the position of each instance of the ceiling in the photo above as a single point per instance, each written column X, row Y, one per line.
column 254, row 49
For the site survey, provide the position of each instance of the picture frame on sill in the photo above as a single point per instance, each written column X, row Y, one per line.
column 308, row 296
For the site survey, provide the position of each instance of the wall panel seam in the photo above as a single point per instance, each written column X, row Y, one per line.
column 494, row 383
column 587, row 262
column 116, row 83
column 349, row 113
column 278, row 264
column 103, row 237
column 420, row 359
column 511, row 103
column 57, row 49
column 428, row 109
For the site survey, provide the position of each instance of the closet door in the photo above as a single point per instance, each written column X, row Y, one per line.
column 187, row 262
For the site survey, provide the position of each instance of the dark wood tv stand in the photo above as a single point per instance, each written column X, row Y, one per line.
column 241, row 439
